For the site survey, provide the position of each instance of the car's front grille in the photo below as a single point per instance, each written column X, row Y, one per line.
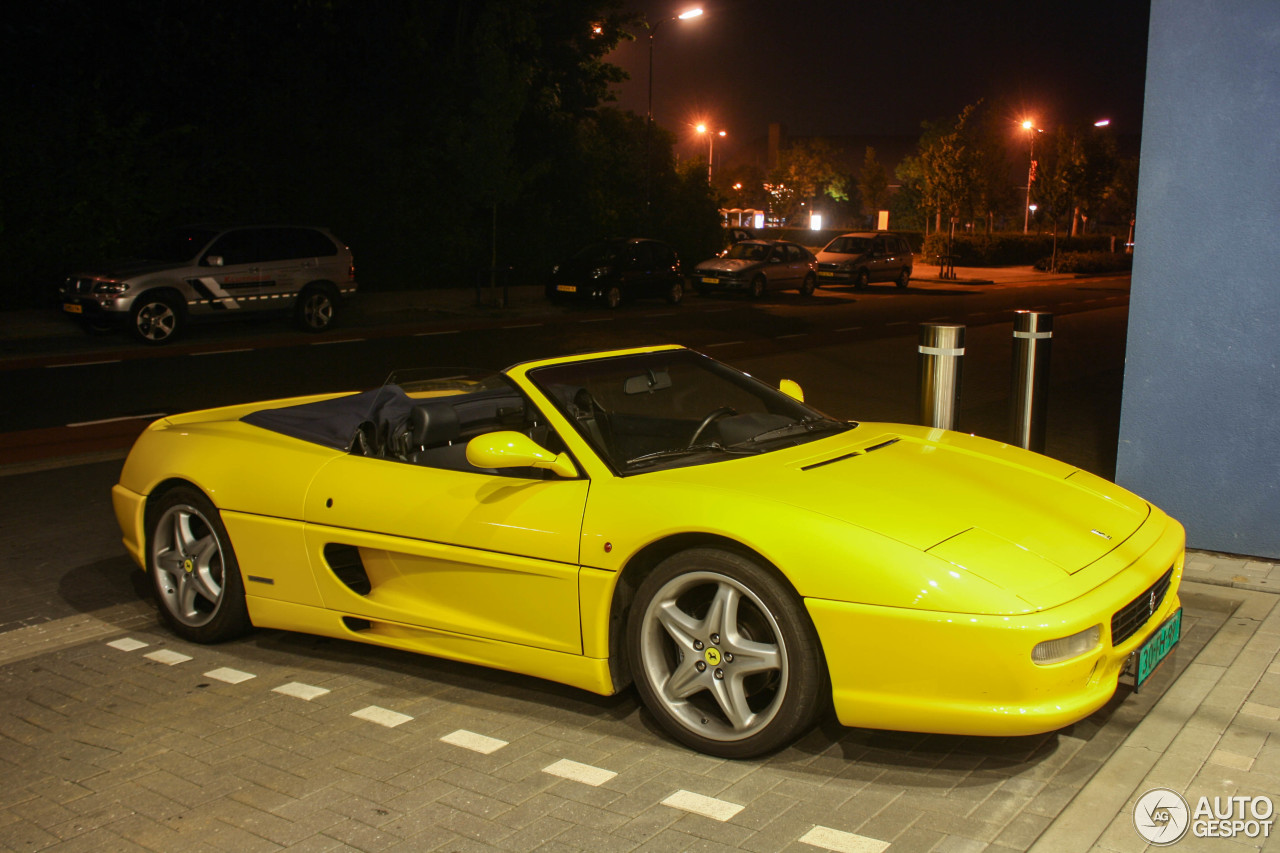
column 1128, row 619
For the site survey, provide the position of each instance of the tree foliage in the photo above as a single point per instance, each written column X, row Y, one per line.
column 407, row 123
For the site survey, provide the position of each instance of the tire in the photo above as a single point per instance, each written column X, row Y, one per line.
column 675, row 293
column 156, row 319
column 613, row 296
column 904, row 279
column 861, row 281
column 758, row 287
column 315, row 309
column 698, row 617
column 809, row 284
column 194, row 572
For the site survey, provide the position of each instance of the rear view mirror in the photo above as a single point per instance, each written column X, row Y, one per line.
column 509, row 449
column 654, row 380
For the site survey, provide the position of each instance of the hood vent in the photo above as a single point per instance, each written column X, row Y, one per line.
column 844, row 456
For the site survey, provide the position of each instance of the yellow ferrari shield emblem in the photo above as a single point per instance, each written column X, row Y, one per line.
column 712, row 656
column 188, row 564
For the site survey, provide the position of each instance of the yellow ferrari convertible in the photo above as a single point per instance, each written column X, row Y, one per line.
column 652, row 516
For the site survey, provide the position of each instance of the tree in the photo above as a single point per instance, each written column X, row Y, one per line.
column 806, row 170
column 873, row 183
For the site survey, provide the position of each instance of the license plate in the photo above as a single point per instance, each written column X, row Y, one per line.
column 72, row 308
column 566, row 288
column 706, row 280
column 1158, row 645
column 822, row 274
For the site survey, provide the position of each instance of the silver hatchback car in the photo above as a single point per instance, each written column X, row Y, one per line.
column 206, row 272
column 866, row 256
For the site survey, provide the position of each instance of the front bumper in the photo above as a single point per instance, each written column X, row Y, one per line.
column 971, row 674
column 131, row 510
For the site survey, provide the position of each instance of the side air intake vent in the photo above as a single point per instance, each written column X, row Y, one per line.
column 344, row 561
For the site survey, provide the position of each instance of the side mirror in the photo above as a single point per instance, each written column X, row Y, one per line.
column 509, row 449
column 792, row 389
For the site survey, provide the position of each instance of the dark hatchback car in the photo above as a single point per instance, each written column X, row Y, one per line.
column 613, row 271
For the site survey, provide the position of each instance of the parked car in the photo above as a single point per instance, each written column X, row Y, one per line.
column 866, row 256
column 203, row 272
column 754, row 266
column 613, row 271
column 651, row 514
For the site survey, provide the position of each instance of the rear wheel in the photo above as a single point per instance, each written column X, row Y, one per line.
column 675, row 293
column 613, row 296
column 193, row 569
column 724, row 654
column 315, row 309
column 904, row 278
column 156, row 319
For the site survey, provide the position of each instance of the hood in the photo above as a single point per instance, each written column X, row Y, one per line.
column 1018, row 519
column 726, row 265
column 131, row 268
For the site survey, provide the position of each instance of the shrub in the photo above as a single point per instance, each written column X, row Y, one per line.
column 1001, row 250
column 1089, row 262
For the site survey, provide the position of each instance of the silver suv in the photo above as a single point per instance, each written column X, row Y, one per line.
column 204, row 272
column 866, row 256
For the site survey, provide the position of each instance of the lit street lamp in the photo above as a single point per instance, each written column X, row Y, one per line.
column 711, row 141
column 1030, row 126
column 648, row 124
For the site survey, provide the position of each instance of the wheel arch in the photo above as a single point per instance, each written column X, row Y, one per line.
column 638, row 568
column 156, row 495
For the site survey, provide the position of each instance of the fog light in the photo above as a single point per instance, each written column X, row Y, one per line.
column 1056, row 651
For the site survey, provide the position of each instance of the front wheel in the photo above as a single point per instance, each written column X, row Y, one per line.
column 315, row 309
column 904, row 279
column 613, row 296
column 193, row 569
column 675, row 293
column 862, row 280
column 758, row 286
column 724, row 654
column 808, row 285
column 155, row 319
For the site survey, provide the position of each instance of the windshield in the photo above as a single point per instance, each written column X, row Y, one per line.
column 748, row 252
column 848, row 246
column 673, row 408
column 179, row 245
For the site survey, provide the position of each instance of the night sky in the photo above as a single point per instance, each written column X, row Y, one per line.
column 860, row 68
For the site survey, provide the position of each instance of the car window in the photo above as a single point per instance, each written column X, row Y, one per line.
column 793, row 253
column 237, row 247
column 879, row 246
column 180, row 245
column 749, row 252
column 281, row 244
column 848, row 246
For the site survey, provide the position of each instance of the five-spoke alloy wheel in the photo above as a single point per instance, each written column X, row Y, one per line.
column 724, row 654
column 193, row 569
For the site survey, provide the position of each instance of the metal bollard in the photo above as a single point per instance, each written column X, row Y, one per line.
column 941, row 351
column 1032, row 340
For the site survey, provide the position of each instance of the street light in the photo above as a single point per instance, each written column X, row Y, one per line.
column 711, row 141
column 1029, row 125
column 648, row 124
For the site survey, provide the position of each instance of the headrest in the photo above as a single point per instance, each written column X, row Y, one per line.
column 433, row 422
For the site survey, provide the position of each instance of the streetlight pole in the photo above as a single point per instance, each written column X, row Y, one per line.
column 648, row 123
column 711, row 141
column 1031, row 129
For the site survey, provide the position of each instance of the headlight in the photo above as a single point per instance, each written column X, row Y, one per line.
column 599, row 272
column 112, row 287
column 1056, row 651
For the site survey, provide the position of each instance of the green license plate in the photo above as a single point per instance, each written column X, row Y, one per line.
column 566, row 288
column 1158, row 646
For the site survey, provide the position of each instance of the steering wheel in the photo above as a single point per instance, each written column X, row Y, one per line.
column 711, row 418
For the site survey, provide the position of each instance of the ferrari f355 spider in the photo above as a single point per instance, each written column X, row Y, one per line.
column 652, row 516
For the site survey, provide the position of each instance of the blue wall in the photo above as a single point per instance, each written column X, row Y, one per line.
column 1200, row 420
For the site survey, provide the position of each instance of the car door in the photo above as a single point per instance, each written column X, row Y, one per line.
column 467, row 552
column 638, row 278
column 233, row 278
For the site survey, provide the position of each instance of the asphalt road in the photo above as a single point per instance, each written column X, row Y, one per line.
column 854, row 352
